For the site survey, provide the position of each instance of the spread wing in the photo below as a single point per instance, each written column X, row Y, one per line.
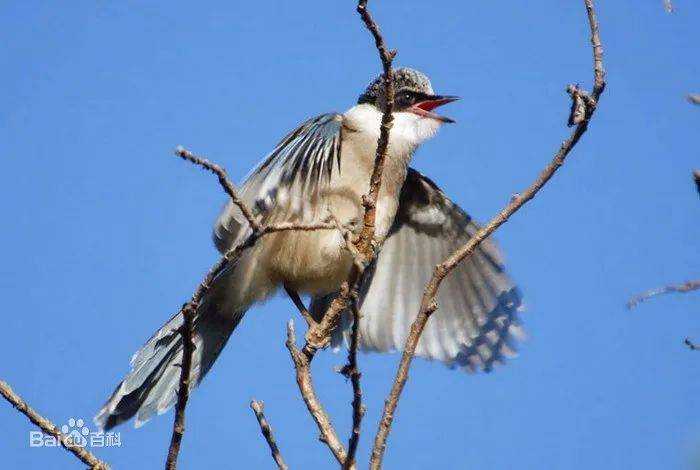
column 287, row 179
column 476, row 323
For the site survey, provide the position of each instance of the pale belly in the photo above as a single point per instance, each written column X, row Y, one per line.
column 318, row 262
column 313, row 263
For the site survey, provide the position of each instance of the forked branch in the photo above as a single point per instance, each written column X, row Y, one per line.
column 302, row 366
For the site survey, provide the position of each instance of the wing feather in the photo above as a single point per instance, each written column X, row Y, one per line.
column 476, row 324
column 287, row 179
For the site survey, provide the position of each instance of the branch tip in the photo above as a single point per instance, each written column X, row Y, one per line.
column 258, row 408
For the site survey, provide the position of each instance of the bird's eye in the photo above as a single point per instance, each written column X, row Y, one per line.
column 405, row 99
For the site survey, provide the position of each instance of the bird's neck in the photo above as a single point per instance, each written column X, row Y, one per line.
column 407, row 133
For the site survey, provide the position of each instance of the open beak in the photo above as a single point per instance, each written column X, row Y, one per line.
column 425, row 107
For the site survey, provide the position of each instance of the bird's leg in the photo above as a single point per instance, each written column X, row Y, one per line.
column 300, row 306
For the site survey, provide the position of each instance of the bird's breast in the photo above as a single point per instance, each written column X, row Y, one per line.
column 318, row 262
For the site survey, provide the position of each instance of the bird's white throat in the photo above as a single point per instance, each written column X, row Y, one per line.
column 409, row 129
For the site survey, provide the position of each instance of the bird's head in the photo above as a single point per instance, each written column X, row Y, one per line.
column 414, row 102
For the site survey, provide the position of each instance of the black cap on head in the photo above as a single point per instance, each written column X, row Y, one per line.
column 405, row 79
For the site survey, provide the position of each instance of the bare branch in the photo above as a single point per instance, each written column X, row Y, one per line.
column 302, row 366
column 298, row 227
column 687, row 286
column 300, row 306
column 370, row 200
column 317, row 337
column 51, row 429
column 188, row 311
column 428, row 303
column 266, row 430
column 352, row 371
column 691, row 345
column 224, row 182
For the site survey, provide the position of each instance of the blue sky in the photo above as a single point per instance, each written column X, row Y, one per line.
column 106, row 233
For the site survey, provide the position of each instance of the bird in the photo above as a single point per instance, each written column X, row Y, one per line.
column 323, row 168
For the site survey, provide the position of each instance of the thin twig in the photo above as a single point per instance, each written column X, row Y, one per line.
column 258, row 407
column 428, row 303
column 691, row 345
column 186, row 331
column 85, row 456
column 317, row 336
column 352, row 371
column 300, row 306
column 230, row 189
column 298, row 227
column 224, row 182
column 687, row 286
column 369, row 201
column 302, row 366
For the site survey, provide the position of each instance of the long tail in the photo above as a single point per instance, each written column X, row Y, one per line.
column 151, row 386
